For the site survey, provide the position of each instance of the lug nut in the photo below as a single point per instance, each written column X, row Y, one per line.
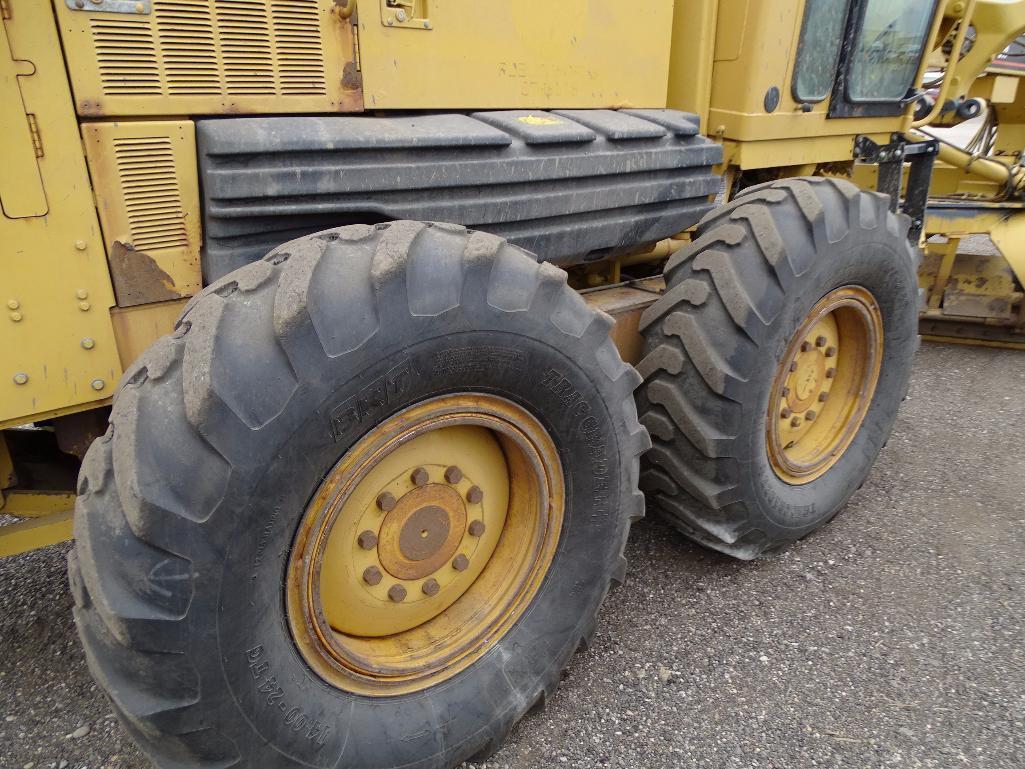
column 419, row 477
column 793, row 366
column 823, row 396
column 830, row 373
column 830, row 352
column 367, row 540
column 474, row 495
column 809, row 415
column 372, row 575
column 453, row 474
column 805, row 346
column 476, row 528
column 795, row 422
column 397, row 593
column 785, row 413
column 430, row 587
column 460, row 562
column 820, row 341
column 386, row 501
column 785, row 391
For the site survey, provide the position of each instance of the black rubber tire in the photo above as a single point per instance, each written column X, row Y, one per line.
column 219, row 435
column 734, row 299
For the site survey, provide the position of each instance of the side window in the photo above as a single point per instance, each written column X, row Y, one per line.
column 819, row 46
column 888, row 49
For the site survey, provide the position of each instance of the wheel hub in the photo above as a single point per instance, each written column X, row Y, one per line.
column 824, row 384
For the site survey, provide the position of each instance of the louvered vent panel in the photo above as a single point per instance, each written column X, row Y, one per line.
column 126, row 56
column 152, row 198
column 213, row 48
column 300, row 54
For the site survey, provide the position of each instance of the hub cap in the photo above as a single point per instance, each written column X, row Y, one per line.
column 824, row 385
column 424, row 544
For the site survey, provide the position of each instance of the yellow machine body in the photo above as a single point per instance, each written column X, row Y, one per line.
column 101, row 230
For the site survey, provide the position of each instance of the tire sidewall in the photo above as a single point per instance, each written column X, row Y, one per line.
column 289, row 709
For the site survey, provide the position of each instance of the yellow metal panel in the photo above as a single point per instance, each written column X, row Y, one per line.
column 17, row 538
column 211, row 56
column 21, row 188
column 136, row 328
column 477, row 55
column 147, row 192
column 56, row 342
column 36, row 504
column 690, row 63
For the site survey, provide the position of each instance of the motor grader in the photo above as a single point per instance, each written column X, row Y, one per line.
column 357, row 333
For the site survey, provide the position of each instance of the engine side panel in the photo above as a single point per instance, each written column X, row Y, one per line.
column 570, row 186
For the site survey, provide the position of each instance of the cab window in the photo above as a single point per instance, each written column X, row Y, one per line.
column 818, row 49
column 888, row 48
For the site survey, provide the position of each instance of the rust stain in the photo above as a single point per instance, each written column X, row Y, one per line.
column 352, row 80
column 137, row 277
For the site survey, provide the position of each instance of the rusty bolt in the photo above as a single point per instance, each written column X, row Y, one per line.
column 397, row 593
column 474, row 495
column 830, row 373
column 372, row 575
column 453, row 474
column 460, row 562
column 795, row 422
column 386, row 501
column 430, row 586
column 830, row 352
column 785, row 413
column 476, row 528
column 805, row 346
column 809, row 415
column 823, row 396
column 793, row 366
column 367, row 540
column 820, row 341
column 419, row 477
column 785, row 391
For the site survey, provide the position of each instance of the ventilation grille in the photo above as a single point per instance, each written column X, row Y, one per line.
column 152, row 198
column 220, row 48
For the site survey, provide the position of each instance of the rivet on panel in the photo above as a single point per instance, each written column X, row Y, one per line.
column 13, row 304
column 88, row 343
column 98, row 384
column 80, row 245
column 84, row 306
column 16, row 317
column 82, row 293
column 20, row 378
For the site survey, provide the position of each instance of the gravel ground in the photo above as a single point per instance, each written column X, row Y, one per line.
column 894, row 637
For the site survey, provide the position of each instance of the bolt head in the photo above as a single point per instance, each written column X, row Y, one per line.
column 474, row 495
column 98, row 384
column 400, row 15
column 367, row 540
column 476, row 528
column 785, row 413
column 830, row 352
column 419, row 477
column 20, row 378
column 372, row 575
column 805, row 346
column 809, row 415
column 391, row 21
column 80, row 244
column 795, row 422
column 823, row 396
column 830, row 373
column 16, row 317
column 460, row 562
column 386, row 501
column 820, row 341
column 88, row 343
column 397, row 593
column 82, row 293
column 453, row 474
column 430, row 586
column 83, row 306
column 13, row 304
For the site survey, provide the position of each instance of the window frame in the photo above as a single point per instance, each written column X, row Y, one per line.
column 802, row 41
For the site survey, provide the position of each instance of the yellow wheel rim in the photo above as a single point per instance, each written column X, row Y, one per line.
column 824, row 385
column 424, row 544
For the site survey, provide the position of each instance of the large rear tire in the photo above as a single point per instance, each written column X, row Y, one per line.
column 237, row 452
column 776, row 361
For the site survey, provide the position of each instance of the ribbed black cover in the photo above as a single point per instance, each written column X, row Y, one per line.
column 570, row 186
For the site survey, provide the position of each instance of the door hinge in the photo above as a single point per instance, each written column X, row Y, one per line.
column 33, row 127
